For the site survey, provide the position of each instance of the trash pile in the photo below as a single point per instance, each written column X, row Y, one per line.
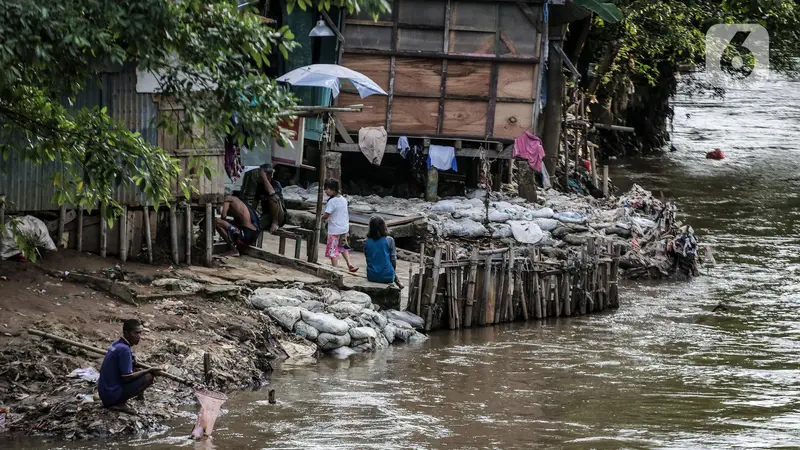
column 343, row 322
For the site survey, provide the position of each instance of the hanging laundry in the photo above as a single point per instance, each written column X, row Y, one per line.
column 402, row 146
column 418, row 160
column 233, row 160
column 529, row 147
column 372, row 142
column 441, row 157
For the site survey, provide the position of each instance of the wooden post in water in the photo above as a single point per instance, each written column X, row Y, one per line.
column 421, row 279
column 79, row 245
column 613, row 291
column 487, row 283
column 471, row 282
column 590, row 278
column 566, row 281
column 583, row 281
column 536, row 291
column 508, row 307
column 448, row 271
column 500, row 290
column 173, row 235
column 123, row 234
column 437, row 260
column 520, row 289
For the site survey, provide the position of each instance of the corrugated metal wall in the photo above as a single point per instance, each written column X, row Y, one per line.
column 28, row 188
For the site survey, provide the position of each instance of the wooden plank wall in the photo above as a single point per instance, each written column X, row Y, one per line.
column 452, row 68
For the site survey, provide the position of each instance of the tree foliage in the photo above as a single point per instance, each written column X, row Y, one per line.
column 209, row 56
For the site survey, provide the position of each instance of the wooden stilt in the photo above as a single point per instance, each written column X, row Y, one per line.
column 537, row 302
column 451, row 304
column 189, row 233
column 209, row 234
column 557, row 308
column 148, row 234
column 471, row 281
column 421, row 278
column 437, row 260
column 173, row 234
column 103, row 232
column 566, row 294
column 62, row 221
column 613, row 291
column 508, row 305
column 500, row 290
column 487, row 283
column 520, row 289
column 123, row 234
column 79, row 245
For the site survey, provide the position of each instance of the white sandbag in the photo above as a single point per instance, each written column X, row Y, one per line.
column 500, row 230
column 356, row 297
column 388, row 332
column 462, row 228
column 306, row 330
column 406, row 316
column 327, row 341
column 416, row 338
column 445, row 206
column 363, row 333
column 400, row 324
column 547, row 224
column 381, row 342
column 342, row 352
column 403, row 334
column 375, row 317
column 570, row 217
column 363, row 345
column 29, row 228
column 526, row 232
column 544, row 213
column 351, row 323
column 325, row 323
column 329, row 296
column 287, row 316
column 299, row 294
column 314, row 306
column 475, row 214
column 498, row 216
column 345, row 309
column 264, row 301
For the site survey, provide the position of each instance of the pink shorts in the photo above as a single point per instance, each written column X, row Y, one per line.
column 337, row 244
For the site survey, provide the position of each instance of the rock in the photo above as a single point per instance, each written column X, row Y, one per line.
column 287, row 316
column 215, row 290
column 408, row 317
column 324, row 323
column 327, row 341
column 175, row 284
column 306, row 330
column 359, row 333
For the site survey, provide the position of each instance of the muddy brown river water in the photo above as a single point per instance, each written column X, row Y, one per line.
column 663, row 371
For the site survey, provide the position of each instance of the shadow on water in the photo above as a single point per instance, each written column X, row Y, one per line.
column 662, row 372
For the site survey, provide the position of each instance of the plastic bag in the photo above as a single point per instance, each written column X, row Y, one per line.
column 526, row 232
column 545, row 178
column 31, row 229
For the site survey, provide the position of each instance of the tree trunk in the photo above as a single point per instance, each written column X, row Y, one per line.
column 554, row 111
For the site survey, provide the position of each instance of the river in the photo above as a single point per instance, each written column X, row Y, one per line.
column 663, row 371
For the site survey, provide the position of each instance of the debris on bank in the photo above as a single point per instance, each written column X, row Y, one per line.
column 655, row 244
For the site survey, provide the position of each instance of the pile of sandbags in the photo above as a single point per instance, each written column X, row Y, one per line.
column 334, row 320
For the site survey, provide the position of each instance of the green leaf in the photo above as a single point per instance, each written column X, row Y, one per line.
column 605, row 10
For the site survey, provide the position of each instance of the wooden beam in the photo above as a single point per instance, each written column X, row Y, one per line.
column 437, row 55
column 527, row 11
column 463, row 152
column 390, row 100
column 493, row 78
column 342, row 130
column 477, row 98
column 332, row 26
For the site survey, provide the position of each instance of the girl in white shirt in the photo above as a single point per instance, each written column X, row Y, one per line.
column 338, row 218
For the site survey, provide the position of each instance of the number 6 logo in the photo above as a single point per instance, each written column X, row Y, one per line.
column 727, row 64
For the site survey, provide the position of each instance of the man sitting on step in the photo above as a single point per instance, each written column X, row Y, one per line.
column 244, row 227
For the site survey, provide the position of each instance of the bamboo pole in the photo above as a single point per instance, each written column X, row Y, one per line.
column 487, row 283
column 313, row 248
column 520, row 289
column 123, row 234
column 584, row 277
column 189, row 233
column 508, row 304
column 537, row 291
column 614, row 288
column 437, row 259
column 421, row 278
column 62, row 221
column 173, row 234
column 557, row 295
column 451, row 316
column 148, row 234
column 567, row 298
column 103, row 232
column 79, row 245
column 593, row 278
column 471, row 281
column 209, row 233
column 500, row 290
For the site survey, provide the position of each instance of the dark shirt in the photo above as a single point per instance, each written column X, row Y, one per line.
column 261, row 190
column 118, row 362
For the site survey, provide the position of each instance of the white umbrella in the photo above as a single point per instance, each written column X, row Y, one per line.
column 330, row 76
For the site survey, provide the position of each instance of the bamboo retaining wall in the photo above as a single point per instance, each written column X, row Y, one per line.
column 505, row 285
